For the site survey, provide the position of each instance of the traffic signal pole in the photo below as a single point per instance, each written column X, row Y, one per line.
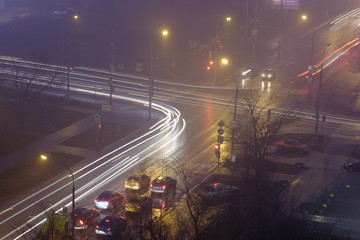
column 217, row 153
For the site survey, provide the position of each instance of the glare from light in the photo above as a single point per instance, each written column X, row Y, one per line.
column 224, row 61
column 165, row 33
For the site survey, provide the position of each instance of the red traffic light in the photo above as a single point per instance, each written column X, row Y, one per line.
column 217, row 150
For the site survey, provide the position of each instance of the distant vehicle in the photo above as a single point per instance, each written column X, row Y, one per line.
column 249, row 72
column 218, row 190
column 268, row 75
column 139, row 204
column 85, row 217
column 299, row 165
column 352, row 166
column 138, row 181
column 111, row 225
column 60, row 12
column 292, row 145
column 110, row 200
column 163, row 185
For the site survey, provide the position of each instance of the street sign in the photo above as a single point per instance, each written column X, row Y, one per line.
column 221, row 123
column 220, row 139
column 220, row 131
column 97, row 118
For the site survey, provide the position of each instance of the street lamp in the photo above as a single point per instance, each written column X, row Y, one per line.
column 45, row 157
column 227, row 19
column 66, row 58
column 317, row 107
column 164, row 33
column 234, row 124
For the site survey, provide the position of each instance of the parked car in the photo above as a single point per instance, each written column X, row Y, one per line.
column 218, row 190
column 268, row 74
column 110, row 200
column 292, row 145
column 111, row 225
column 85, row 217
column 163, row 185
column 352, row 166
column 138, row 181
column 139, row 204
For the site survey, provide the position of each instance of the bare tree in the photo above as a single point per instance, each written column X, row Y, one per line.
column 29, row 83
column 260, row 122
column 191, row 215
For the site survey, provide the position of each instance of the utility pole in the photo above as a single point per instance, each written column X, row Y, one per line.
column 112, row 68
column 317, row 107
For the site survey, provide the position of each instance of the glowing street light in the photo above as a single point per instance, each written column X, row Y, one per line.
column 227, row 19
column 45, row 157
column 304, row 17
column 164, row 33
column 224, row 61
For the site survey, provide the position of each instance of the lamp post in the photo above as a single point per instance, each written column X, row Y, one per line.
column 227, row 19
column 112, row 67
column 234, row 124
column 45, row 157
column 317, row 107
column 65, row 53
column 151, row 80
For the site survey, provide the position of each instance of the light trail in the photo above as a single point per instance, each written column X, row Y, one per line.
column 332, row 57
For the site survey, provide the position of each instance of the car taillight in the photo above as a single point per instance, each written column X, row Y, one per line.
column 95, row 201
column 126, row 182
column 164, row 187
column 151, row 185
column 109, row 229
column 97, row 226
column 81, row 222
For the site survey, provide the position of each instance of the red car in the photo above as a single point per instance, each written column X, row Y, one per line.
column 292, row 145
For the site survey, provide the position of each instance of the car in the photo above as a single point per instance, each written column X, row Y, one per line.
column 60, row 12
column 218, row 190
column 268, row 74
column 111, row 225
column 138, row 181
column 352, row 166
column 110, row 200
column 163, row 185
column 292, row 145
column 139, row 204
column 249, row 72
column 85, row 217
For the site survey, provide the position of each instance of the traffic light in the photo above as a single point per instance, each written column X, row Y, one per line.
column 217, row 150
column 211, row 62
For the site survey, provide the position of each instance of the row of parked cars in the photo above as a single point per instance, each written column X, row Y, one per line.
column 110, row 204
